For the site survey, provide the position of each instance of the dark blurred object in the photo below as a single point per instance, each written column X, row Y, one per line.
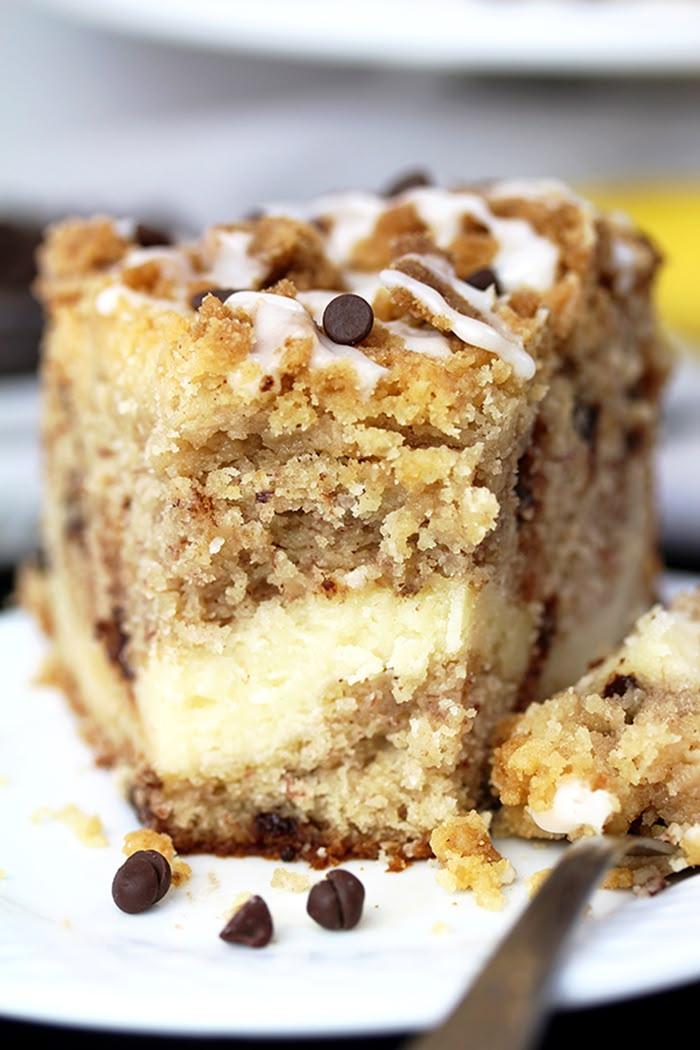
column 20, row 314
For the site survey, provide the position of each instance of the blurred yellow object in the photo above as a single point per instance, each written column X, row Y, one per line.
column 669, row 212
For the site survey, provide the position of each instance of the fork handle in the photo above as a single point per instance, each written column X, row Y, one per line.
column 506, row 1006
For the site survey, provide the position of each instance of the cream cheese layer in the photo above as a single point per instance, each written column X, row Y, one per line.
column 205, row 711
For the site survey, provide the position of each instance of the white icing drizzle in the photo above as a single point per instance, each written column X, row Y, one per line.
column 173, row 264
column 277, row 319
column 524, row 258
column 362, row 283
column 353, row 217
column 531, row 190
column 489, row 335
column 107, row 301
column 316, row 302
column 233, row 265
column 125, row 227
column 624, row 259
column 428, row 341
column 575, row 805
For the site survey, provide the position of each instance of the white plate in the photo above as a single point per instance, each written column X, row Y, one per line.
column 501, row 36
column 67, row 955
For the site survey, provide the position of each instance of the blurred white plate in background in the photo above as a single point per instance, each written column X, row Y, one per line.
column 19, row 468
column 498, row 36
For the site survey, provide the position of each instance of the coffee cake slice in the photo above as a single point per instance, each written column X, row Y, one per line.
column 330, row 491
column 618, row 752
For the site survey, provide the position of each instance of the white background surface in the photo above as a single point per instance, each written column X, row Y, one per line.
column 67, row 955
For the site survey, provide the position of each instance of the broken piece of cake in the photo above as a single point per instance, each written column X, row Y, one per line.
column 469, row 860
column 618, row 752
column 331, row 491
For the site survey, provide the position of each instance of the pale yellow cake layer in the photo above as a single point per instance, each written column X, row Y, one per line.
column 205, row 712
column 279, row 669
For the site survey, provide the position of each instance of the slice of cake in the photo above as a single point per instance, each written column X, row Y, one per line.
column 620, row 750
column 330, row 491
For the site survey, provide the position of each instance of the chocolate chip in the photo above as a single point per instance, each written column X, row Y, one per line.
column 115, row 641
column 525, row 487
column 485, row 278
column 221, row 294
column 412, row 180
column 151, row 236
column 635, row 439
column 585, row 420
column 274, row 826
column 542, row 645
column 348, row 319
column 618, row 685
column 136, row 885
column 250, row 925
column 162, row 869
column 336, row 903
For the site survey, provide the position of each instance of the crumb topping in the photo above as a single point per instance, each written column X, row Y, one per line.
column 417, row 258
column 87, row 826
column 161, row 842
column 293, row 881
column 470, row 861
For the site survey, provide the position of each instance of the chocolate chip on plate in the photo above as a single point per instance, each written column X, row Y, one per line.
column 483, row 279
column 162, row 869
column 221, row 294
column 348, row 319
column 412, row 180
column 141, row 881
column 336, row 902
column 251, row 924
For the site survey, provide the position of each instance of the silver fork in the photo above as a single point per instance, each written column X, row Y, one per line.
column 505, row 1008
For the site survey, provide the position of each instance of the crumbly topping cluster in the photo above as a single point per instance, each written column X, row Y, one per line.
column 359, row 292
column 469, row 860
column 619, row 749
